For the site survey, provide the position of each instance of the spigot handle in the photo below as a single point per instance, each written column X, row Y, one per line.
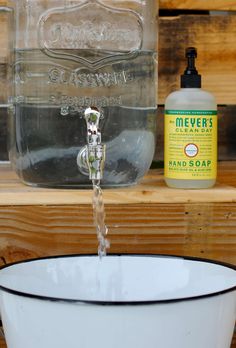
column 95, row 156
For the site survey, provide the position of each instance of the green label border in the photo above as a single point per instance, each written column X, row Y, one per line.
column 192, row 112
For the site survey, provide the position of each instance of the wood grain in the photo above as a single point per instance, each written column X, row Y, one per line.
column 234, row 341
column 152, row 189
column 147, row 218
column 206, row 230
column 214, row 37
column 221, row 5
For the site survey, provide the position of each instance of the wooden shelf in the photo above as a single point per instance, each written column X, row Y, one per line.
column 152, row 189
column 146, row 218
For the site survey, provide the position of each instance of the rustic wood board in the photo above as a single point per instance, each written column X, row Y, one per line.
column 147, row 218
column 198, row 230
column 220, row 5
column 214, row 37
column 152, row 189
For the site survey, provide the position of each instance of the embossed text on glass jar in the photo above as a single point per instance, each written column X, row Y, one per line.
column 71, row 55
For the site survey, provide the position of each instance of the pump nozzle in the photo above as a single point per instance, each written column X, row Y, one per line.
column 191, row 78
column 191, row 54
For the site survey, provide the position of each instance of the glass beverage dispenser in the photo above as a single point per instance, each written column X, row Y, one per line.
column 70, row 55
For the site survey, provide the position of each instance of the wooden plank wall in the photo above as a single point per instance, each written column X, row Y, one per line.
column 220, row 5
column 192, row 230
column 214, row 36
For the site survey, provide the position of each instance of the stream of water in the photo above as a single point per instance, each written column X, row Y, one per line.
column 95, row 157
column 99, row 219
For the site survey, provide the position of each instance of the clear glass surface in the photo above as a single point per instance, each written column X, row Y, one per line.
column 70, row 55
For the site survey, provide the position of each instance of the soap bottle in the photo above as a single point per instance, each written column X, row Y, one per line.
column 190, row 145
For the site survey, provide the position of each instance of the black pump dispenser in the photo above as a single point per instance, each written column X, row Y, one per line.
column 191, row 78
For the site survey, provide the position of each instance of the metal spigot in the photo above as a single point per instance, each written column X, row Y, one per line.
column 95, row 157
column 94, row 152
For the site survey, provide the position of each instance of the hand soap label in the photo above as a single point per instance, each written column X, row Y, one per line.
column 191, row 144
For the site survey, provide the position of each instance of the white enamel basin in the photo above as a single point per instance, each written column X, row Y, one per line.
column 121, row 301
